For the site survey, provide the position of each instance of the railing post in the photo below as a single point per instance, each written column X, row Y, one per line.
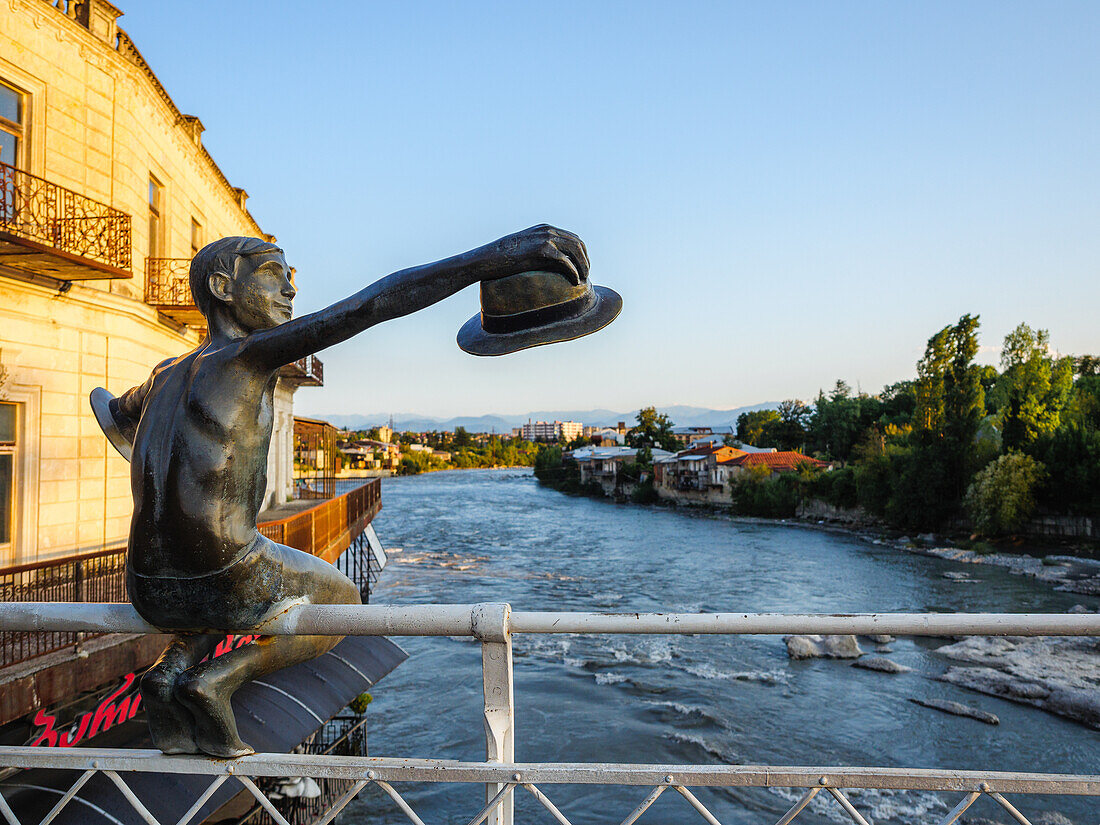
column 490, row 626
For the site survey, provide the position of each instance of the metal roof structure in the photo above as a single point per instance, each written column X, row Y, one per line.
column 274, row 714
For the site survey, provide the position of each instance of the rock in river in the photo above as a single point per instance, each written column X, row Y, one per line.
column 881, row 664
column 1058, row 674
column 958, row 709
column 823, row 647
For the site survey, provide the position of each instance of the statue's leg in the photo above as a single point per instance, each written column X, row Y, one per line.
column 206, row 688
column 170, row 723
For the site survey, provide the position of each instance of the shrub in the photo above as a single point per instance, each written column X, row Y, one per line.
column 645, row 492
column 923, row 493
column 1002, row 496
column 756, row 494
column 837, row 487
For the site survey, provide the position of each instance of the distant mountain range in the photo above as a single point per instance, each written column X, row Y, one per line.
column 681, row 416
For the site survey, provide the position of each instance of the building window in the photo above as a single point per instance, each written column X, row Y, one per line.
column 196, row 237
column 156, row 217
column 8, row 428
column 13, row 108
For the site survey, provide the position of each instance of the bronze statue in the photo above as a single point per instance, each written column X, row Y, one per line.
column 198, row 430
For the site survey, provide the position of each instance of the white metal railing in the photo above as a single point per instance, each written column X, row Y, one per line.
column 493, row 625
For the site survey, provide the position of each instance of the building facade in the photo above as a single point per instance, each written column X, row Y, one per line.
column 106, row 192
column 552, row 430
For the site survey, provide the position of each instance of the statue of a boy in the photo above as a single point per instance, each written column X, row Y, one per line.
column 201, row 427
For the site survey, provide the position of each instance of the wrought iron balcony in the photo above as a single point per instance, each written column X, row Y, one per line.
column 46, row 229
column 305, row 372
column 168, row 288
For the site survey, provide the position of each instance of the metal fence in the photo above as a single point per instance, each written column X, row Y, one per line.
column 36, row 210
column 89, row 577
column 168, row 282
column 328, row 528
column 494, row 625
column 325, row 530
column 345, row 735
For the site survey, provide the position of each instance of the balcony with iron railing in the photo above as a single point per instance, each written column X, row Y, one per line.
column 817, row 789
column 47, row 229
column 168, row 290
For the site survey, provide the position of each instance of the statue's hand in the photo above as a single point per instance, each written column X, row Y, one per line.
column 543, row 247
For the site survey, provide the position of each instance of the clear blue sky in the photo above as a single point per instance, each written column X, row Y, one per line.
column 784, row 193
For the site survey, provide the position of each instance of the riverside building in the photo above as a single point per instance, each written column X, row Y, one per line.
column 106, row 193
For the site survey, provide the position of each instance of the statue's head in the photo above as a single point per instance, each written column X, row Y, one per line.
column 248, row 278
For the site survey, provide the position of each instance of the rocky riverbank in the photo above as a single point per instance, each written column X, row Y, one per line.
column 1071, row 574
column 1057, row 674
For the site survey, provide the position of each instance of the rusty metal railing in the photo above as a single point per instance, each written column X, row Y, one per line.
column 493, row 625
column 167, row 282
column 325, row 531
column 43, row 213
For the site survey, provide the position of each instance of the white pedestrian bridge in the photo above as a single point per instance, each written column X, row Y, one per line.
column 493, row 625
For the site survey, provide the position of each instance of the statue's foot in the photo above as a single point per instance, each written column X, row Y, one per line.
column 227, row 750
column 215, row 727
column 174, row 742
column 171, row 725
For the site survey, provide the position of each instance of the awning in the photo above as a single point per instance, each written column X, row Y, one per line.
column 274, row 715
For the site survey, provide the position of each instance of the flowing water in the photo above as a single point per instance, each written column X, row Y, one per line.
column 498, row 536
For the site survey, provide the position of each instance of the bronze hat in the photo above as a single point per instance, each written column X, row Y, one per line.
column 535, row 308
column 119, row 433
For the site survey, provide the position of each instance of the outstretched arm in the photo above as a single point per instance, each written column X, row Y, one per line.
column 540, row 247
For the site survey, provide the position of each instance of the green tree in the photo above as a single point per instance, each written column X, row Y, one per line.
column 461, row 438
column 1071, row 456
column 751, row 426
column 950, row 398
column 653, row 429
column 1003, row 495
column 918, row 480
column 1035, row 385
column 1086, row 365
column 789, row 431
column 839, row 420
column 1086, row 401
column 898, row 403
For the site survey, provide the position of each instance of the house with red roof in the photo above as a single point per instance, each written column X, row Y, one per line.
column 702, row 474
column 786, row 461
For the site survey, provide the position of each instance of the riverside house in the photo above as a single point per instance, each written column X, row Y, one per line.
column 604, row 465
column 106, row 193
column 702, row 474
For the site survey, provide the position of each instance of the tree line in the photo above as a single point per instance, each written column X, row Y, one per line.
column 468, row 452
column 960, row 443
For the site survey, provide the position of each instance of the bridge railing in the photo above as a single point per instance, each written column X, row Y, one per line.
column 494, row 625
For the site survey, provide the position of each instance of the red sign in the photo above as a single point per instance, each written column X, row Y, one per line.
column 110, row 711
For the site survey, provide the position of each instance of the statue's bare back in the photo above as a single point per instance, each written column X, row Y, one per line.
column 205, row 428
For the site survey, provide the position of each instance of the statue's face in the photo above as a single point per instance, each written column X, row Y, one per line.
column 263, row 295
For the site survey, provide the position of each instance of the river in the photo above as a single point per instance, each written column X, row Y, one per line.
column 470, row 536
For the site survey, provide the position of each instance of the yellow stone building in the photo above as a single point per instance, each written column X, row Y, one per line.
column 106, row 192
